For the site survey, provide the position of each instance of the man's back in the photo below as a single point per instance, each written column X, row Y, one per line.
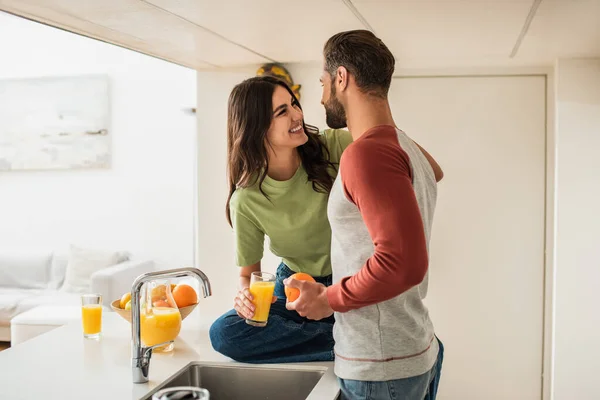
column 392, row 339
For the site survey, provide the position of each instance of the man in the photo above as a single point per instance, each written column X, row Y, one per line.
column 381, row 210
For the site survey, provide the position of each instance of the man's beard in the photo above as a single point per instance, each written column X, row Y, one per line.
column 335, row 115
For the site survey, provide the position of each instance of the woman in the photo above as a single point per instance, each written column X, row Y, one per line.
column 280, row 173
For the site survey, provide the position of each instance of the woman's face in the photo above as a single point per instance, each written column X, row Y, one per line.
column 287, row 128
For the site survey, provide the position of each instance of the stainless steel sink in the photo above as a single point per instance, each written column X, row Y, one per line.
column 247, row 382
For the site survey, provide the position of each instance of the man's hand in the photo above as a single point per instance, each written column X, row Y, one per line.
column 312, row 303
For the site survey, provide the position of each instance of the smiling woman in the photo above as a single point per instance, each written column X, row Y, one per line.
column 286, row 132
column 280, row 173
column 263, row 111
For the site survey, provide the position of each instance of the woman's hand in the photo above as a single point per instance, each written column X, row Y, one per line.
column 243, row 304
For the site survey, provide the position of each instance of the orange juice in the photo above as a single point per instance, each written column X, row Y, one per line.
column 159, row 325
column 91, row 317
column 262, row 292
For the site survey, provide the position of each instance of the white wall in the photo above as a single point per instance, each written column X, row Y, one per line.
column 486, row 279
column 308, row 74
column 144, row 203
column 215, row 241
column 577, row 272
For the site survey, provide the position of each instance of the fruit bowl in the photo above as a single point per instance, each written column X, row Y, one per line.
column 126, row 314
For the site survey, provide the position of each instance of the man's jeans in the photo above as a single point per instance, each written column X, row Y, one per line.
column 288, row 337
column 421, row 387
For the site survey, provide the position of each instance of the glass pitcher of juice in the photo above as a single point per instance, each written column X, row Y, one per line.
column 160, row 320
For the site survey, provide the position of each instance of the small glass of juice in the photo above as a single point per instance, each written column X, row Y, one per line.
column 262, row 286
column 91, row 315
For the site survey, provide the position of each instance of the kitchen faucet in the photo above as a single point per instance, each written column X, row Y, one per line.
column 140, row 355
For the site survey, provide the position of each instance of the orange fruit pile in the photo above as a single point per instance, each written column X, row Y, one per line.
column 184, row 295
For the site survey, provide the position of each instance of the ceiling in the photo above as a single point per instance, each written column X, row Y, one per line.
column 207, row 34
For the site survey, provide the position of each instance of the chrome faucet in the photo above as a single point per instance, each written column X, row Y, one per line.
column 140, row 356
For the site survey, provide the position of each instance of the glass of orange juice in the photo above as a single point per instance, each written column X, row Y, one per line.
column 91, row 315
column 262, row 286
column 160, row 320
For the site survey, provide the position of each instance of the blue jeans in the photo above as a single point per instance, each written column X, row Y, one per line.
column 421, row 387
column 287, row 338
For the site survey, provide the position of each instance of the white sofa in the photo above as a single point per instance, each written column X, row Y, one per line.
column 36, row 277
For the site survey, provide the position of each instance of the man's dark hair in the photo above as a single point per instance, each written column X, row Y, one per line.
column 365, row 56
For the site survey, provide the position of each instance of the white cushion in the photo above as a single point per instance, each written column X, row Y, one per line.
column 83, row 263
column 58, row 268
column 9, row 303
column 40, row 320
column 16, row 301
column 50, row 298
column 25, row 268
column 48, row 315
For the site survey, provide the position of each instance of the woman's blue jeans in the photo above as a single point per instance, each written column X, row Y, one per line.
column 287, row 338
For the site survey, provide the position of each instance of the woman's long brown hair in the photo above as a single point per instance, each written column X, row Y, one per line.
column 249, row 115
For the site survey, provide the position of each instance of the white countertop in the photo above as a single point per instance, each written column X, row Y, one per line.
column 61, row 364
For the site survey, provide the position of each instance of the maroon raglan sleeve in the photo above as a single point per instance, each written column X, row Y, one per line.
column 376, row 176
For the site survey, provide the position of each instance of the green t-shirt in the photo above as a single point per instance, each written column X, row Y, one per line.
column 294, row 218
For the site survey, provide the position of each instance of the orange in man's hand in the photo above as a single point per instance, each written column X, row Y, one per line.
column 184, row 295
column 292, row 294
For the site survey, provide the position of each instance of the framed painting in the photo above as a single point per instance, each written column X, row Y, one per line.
column 55, row 123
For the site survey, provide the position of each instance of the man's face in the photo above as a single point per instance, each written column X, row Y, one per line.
column 335, row 114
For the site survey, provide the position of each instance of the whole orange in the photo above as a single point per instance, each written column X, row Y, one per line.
column 184, row 295
column 293, row 293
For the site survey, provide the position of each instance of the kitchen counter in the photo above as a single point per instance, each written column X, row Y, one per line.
column 61, row 364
